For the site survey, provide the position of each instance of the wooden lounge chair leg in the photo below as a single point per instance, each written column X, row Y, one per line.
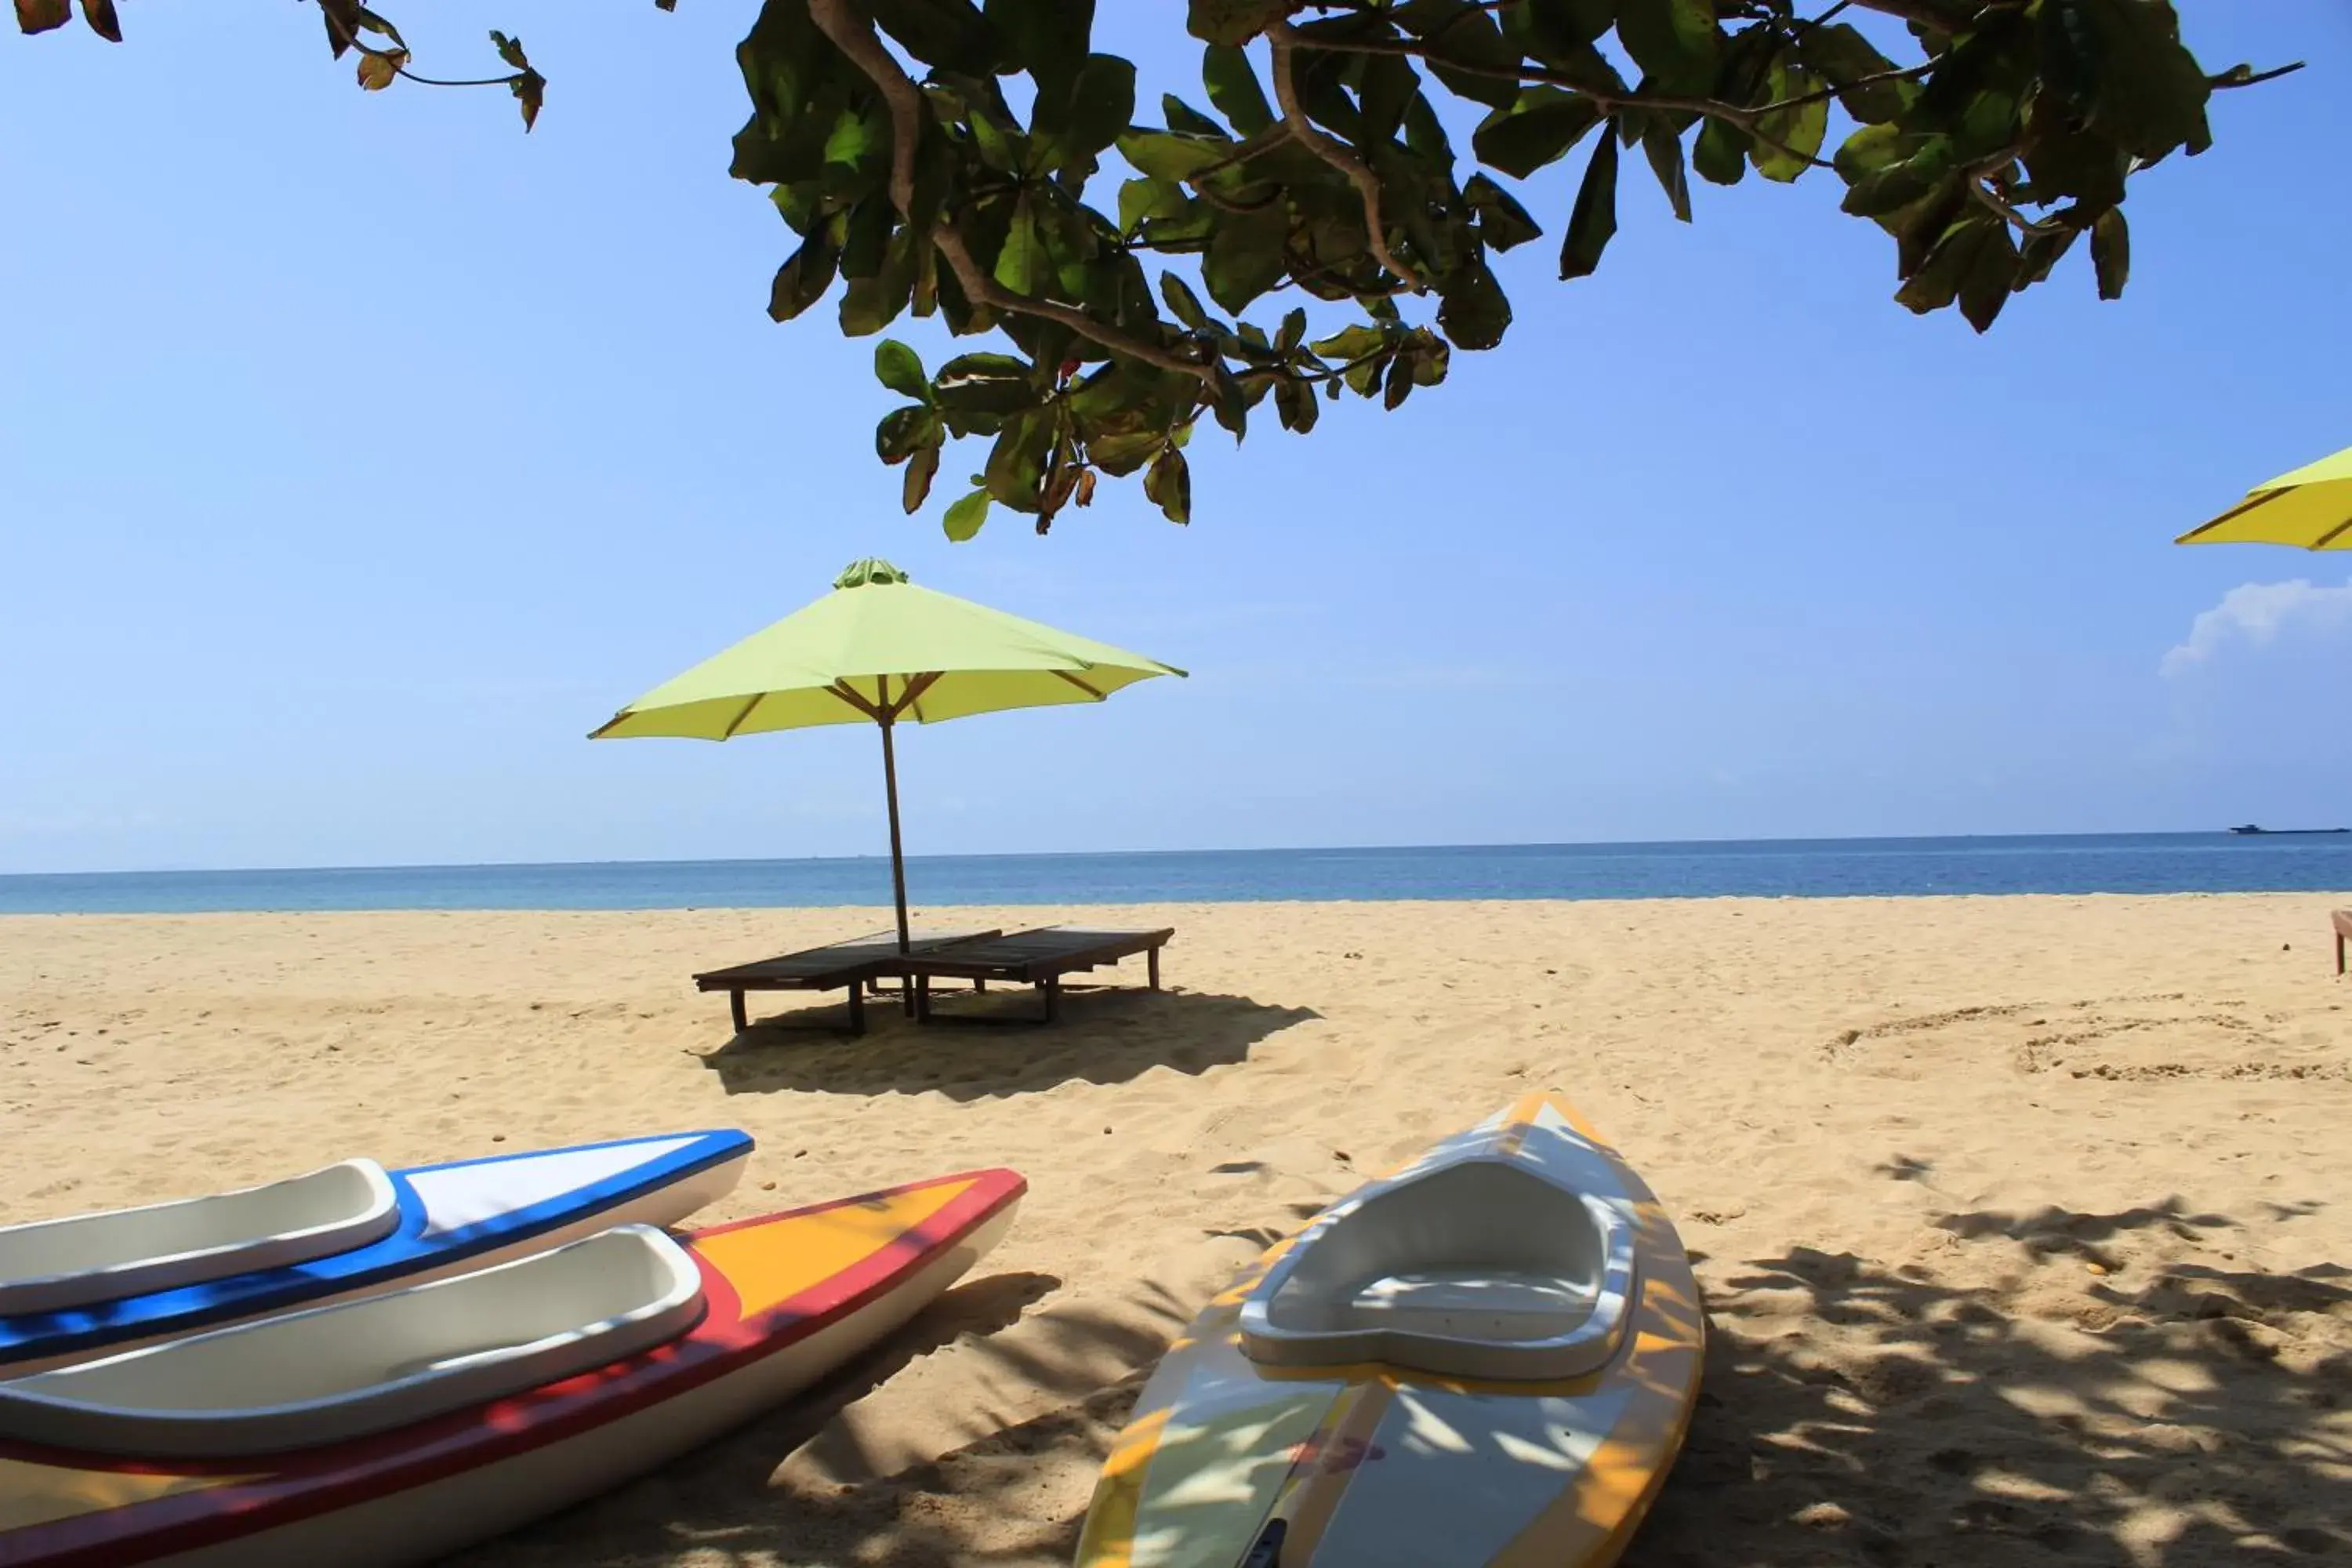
column 1052, row 986
column 978, row 984
column 2339, row 952
column 1151, row 959
column 922, row 1000
column 856, row 1009
column 743, row 1022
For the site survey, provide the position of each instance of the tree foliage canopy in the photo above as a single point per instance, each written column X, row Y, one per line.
column 1321, row 170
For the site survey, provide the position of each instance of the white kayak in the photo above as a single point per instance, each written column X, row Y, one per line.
column 390, row 1431
column 1489, row 1357
column 92, row 1284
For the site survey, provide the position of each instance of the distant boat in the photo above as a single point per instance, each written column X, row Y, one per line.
column 2249, row 830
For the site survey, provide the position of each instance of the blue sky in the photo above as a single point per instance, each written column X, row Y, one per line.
column 359, row 454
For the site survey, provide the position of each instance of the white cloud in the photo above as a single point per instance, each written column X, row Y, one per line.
column 2255, row 614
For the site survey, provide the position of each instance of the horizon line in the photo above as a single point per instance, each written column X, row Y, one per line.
column 1096, row 854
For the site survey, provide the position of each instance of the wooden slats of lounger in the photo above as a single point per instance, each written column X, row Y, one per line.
column 852, row 966
column 1039, row 958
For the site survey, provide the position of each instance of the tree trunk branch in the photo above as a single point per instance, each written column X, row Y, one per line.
column 1359, row 173
column 852, row 32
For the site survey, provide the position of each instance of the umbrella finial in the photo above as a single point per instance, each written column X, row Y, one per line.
column 865, row 573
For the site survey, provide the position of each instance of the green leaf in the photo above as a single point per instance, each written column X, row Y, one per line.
column 1164, row 155
column 1839, row 55
column 1188, row 120
column 1537, row 130
column 1246, row 256
column 1123, row 452
column 1674, row 41
column 1182, row 303
column 1664, row 148
column 1398, row 386
column 1474, row 311
column 1149, row 198
column 802, row 281
column 904, row 429
column 1169, row 483
column 1386, row 95
column 1558, row 25
column 1593, row 223
column 1937, row 282
column 2111, row 253
column 1101, row 104
column 1720, row 153
column 1294, row 330
column 1048, row 37
column 1015, row 471
column 1234, row 22
column 510, row 50
column 963, row 519
column 1459, row 30
column 2041, row 252
column 920, row 471
column 1022, row 266
column 1991, row 277
column 2122, row 64
column 976, row 390
column 1232, row 87
column 1799, row 131
column 1502, row 222
column 949, row 34
column 1295, row 402
column 900, row 369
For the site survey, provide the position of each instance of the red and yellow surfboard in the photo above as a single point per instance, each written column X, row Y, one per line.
column 790, row 1297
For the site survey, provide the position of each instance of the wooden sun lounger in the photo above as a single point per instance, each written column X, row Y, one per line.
column 853, row 965
column 1039, row 958
column 2342, row 920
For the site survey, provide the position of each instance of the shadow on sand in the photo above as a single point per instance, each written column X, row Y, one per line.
column 1103, row 1036
column 2077, row 1411
column 2174, row 1416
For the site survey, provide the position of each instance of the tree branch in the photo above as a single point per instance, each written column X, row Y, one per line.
column 2245, row 77
column 1609, row 103
column 1311, row 137
column 852, row 32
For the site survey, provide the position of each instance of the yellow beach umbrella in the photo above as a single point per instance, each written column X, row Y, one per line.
column 2311, row 506
column 878, row 649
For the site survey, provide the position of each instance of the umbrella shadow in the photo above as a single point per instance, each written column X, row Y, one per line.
column 1859, row 1413
column 1103, row 1036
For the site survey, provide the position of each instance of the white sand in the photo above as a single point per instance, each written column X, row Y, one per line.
column 2025, row 1224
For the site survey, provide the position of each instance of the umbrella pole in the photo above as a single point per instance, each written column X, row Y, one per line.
column 898, row 853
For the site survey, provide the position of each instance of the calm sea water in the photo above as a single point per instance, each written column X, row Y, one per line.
column 2107, row 863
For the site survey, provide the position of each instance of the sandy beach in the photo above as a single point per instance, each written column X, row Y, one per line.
column 2025, row 1224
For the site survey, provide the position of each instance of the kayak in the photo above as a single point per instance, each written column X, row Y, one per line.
column 1489, row 1357
column 93, row 1284
column 393, row 1430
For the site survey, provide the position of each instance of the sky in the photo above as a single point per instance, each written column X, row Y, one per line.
column 359, row 454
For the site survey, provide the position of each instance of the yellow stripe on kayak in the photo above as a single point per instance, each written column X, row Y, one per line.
column 768, row 1264
column 1109, row 1540
column 1339, row 1447
column 34, row 1494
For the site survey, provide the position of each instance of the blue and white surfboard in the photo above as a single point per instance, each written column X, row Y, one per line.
column 468, row 1214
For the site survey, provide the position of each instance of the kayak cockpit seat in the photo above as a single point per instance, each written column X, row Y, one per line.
column 60, row 1264
column 1480, row 1268
column 334, row 1373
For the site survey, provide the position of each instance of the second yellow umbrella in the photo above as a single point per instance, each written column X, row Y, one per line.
column 2310, row 507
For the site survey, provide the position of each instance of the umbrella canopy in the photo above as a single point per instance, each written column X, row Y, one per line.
column 2311, row 506
column 878, row 649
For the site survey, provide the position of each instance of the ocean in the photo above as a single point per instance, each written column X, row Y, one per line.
column 1826, row 867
